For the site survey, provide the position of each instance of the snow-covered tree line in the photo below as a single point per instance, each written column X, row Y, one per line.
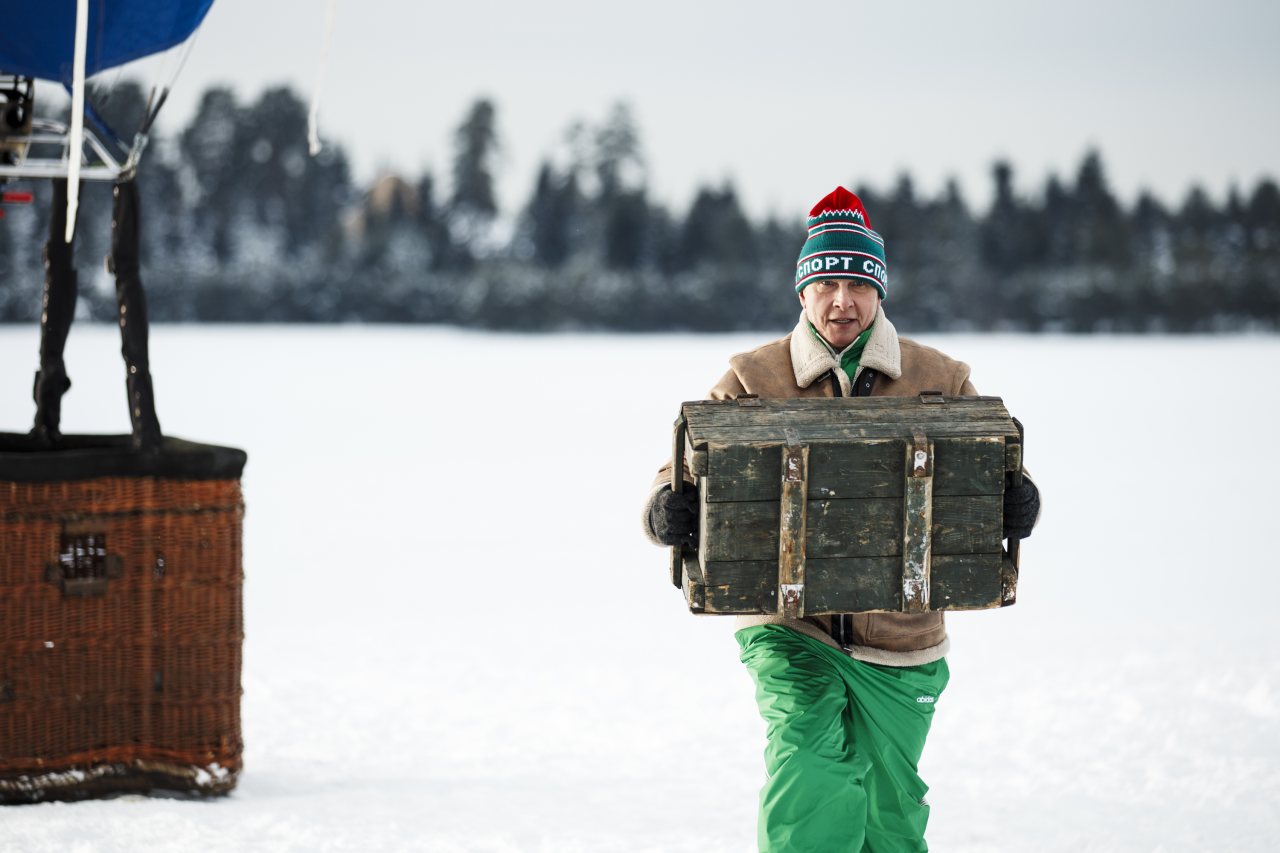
column 241, row 224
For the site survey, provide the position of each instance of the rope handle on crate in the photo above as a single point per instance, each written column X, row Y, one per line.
column 677, row 486
column 1009, row 593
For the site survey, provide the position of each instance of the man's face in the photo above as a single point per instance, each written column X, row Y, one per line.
column 840, row 308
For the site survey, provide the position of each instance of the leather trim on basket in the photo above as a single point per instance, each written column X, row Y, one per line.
column 83, row 457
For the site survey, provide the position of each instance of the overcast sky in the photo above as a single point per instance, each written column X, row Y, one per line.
column 787, row 102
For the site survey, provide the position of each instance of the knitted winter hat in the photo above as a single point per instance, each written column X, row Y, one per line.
column 841, row 244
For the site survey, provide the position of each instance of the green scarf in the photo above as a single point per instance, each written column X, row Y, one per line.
column 852, row 355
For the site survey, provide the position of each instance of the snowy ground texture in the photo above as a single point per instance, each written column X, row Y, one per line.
column 1129, row 702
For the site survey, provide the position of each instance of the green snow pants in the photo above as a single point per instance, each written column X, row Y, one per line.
column 844, row 740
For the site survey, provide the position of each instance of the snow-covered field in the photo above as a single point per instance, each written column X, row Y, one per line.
column 1129, row 702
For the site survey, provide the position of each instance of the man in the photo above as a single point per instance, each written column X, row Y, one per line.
column 847, row 699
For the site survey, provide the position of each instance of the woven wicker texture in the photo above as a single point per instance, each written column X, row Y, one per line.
column 120, row 636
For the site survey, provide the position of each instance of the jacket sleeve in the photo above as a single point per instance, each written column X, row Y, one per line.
column 728, row 388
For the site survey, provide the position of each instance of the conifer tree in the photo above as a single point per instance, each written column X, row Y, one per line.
column 1006, row 245
column 473, row 205
column 211, row 148
column 716, row 232
column 1262, row 248
column 621, row 178
column 432, row 221
column 1099, row 225
column 551, row 215
column 1196, row 227
column 293, row 194
column 619, row 164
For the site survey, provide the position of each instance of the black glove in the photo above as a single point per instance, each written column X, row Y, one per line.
column 673, row 518
column 1021, row 506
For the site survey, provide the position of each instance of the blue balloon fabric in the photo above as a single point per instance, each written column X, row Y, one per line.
column 37, row 38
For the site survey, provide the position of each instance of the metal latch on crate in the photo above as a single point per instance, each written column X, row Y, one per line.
column 917, row 524
column 791, row 528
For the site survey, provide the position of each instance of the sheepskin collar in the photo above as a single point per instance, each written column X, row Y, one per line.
column 811, row 358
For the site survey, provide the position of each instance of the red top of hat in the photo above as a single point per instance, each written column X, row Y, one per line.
column 840, row 199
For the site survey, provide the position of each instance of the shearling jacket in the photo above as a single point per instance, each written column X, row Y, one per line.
column 800, row 365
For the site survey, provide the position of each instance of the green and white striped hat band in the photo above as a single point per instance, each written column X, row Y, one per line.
column 841, row 244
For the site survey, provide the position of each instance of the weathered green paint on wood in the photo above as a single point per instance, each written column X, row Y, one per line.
column 852, row 585
column 965, row 582
column 748, row 530
column 871, row 469
column 745, row 530
column 967, row 525
column 848, row 432
column 742, row 587
column 868, row 469
column 743, row 472
column 811, row 417
column 855, row 528
column 968, row 466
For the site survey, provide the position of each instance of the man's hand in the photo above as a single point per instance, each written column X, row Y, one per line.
column 673, row 518
column 1021, row 506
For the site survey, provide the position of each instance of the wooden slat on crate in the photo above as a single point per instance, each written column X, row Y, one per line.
column 747, row 530
column 851, row 585
column 791, row 530
column 865, row 522
column 965, row 581
column 966, row 524
column 749, row 472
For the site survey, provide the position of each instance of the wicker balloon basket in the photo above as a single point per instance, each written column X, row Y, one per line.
column 120, row 574
column 120, row 618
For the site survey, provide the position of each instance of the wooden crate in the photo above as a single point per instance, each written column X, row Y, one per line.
column 812, row 506
column 120, row 618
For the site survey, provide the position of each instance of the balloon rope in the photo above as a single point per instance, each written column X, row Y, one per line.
column 184, row 53
column 313, row 117
column 160, row 90
column 76, row 140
